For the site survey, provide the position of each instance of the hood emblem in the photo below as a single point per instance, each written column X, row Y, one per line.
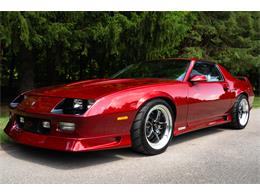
column 33, row 103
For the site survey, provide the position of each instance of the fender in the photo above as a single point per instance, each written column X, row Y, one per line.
column 126, row 102
column 153, row 95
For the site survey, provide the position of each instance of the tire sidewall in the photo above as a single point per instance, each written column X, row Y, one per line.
column 241, row 97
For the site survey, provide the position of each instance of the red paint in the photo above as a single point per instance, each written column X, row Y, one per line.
column 198, row 104
column 198, row 78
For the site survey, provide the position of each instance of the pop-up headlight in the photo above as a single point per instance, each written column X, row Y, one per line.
column 73, row 106
column 16, row 101
column 78, row 104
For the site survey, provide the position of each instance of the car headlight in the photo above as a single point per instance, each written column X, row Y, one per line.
column 16, row 101
column 78, row 104
column 73, row 106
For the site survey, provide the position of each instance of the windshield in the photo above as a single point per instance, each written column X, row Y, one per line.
column 168, row 69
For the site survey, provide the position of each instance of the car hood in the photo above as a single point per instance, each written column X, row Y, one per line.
column 92, row 89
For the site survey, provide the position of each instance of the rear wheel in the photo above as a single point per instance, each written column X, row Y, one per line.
column 240, row 113
column 152, row 129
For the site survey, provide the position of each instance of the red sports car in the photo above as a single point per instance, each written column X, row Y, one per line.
column 143, row 106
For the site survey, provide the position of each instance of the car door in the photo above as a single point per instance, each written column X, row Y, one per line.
column 207, row 100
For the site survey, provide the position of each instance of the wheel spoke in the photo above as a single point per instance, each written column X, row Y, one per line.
column 149, row 128
column 156, row 135
column 150, row 133
column 162, row 123
column 158, row 116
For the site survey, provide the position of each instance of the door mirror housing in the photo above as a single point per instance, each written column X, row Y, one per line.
column 198, row 78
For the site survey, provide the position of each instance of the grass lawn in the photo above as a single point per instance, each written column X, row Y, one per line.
column 3, row 136
column 256, row 103
column 4, row 120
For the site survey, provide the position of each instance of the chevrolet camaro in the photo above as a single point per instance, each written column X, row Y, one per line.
column 143, row 106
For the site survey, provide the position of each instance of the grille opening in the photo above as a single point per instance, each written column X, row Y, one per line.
column 34, row 125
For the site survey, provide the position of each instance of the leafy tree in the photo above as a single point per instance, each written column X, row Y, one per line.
column 45, row 48
column 230, row 38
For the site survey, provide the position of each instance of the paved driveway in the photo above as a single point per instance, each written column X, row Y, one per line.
column 213, row 155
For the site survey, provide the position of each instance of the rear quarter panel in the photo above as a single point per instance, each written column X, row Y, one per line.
column 238, row 86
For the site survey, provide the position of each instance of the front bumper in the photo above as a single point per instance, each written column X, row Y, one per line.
column 82, row 140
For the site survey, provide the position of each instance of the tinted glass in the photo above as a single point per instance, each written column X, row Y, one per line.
column 209, row 70
column 171, row 69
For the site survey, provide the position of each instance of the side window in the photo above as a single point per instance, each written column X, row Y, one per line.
column 209, row 70
column 215, row 74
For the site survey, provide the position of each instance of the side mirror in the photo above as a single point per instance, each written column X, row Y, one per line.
column 198, row 78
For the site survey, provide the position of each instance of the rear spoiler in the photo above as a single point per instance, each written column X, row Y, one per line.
column 245, row 79
column 242, row 78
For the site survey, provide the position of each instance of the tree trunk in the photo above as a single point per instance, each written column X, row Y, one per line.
column 81, row 67
column 11, row 73
column 26, row 69
column 53, row 59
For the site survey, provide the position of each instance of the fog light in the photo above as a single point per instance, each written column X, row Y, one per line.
column 46, row 124
column 21, row 119
column 65, row 126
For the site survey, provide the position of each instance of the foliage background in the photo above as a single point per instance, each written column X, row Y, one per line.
column 47, row 48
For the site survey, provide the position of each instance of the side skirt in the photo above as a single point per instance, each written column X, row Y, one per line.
column 206, row 124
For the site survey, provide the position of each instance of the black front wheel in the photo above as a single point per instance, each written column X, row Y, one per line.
column 152, row 129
